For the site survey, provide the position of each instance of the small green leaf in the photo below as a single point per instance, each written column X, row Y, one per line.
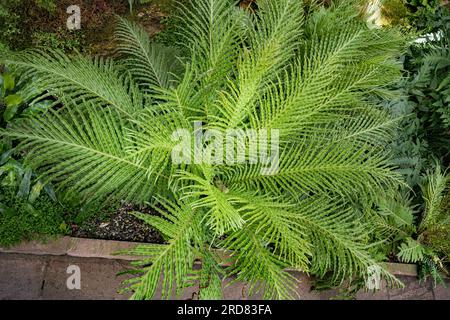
column 5, row 156
column 50, row 192
column 10, row 112
column 8, row 81
column 13, row 100
column 24, row 188
column 35, row 191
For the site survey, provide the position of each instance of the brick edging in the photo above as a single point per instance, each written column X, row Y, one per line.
column 106, row 249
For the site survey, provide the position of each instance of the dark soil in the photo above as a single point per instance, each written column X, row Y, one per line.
column 120, row 225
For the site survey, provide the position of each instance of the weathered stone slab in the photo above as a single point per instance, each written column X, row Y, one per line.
column 442, row 292
column 402, row 269
column 413, row 290
column 21, row 277
column 98, row 280
column 106, row 249
column 58, row 246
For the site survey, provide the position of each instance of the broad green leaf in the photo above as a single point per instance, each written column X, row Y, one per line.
column 35, row 191
column 24, row 188
column 10, row 112
column 13, row 100
column 5, row 156
column 50, row 192
column 8, row 81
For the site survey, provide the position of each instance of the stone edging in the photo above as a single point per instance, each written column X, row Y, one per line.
column 94, row 248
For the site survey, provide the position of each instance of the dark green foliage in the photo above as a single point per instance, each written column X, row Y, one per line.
column 424, row 137
column 426, row 15
column 21, row 220
column 424, row 134
column 11, row 19
column 63, row 39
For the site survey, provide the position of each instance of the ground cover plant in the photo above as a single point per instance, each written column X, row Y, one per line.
column 311, row 80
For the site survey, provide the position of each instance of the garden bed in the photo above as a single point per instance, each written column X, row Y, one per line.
column 119, row 225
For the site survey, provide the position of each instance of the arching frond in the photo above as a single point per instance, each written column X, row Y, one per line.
column 77, row 79
column 85, row 151
column 152, row 65
column 314, row 166
column 174, row 261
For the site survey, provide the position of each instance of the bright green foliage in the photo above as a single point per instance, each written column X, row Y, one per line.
column 432, row 245
column 312, row 77
column 411, row 251
column 435, row 224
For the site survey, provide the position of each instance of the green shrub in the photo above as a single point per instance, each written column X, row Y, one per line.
column 20, row 220
column 424, row 133
column 63, row 39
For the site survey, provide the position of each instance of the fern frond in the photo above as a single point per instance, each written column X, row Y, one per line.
column 84, row 151
column 152, row 65
column 411, row 251
column 272, row 43
column 314, row 166
column 174, row 261
column 77, row 79
column 434, row 194
column 262, row 269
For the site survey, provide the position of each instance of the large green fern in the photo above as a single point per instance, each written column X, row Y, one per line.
column 313, row 77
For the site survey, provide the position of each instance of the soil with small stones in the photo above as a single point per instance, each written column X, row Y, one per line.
column 121, row 226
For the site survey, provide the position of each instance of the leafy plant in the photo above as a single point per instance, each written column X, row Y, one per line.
column 63, row 39
column 13, row 173
column 423, row 134
column 132, row 2
column 313, row 78
column 432, row 244
column 19, row 220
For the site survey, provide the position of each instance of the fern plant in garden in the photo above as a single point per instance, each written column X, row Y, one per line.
column 313, row 78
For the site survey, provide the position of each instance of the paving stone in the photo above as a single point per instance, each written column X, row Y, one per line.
column 98, row 279
column 304, row 287
column 21, row 276
column 381, row 294
column 442, row 292
column 107, row 249
column 57, row 246
column 44, row 277
column 413, row 290
column 233, row 290
column 402, row 269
